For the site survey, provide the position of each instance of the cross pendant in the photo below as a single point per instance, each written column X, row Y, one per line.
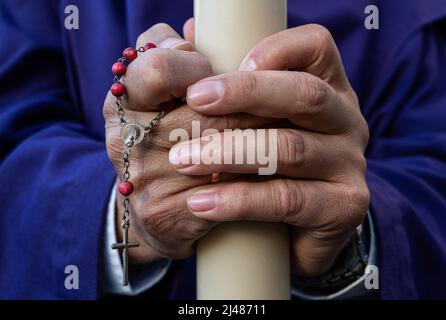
column 125, row 245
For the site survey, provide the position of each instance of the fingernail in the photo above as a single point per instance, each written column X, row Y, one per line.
column 205, row 92
column 171, row 43
column 202, row 202
column 185, row 154
column 248, row 65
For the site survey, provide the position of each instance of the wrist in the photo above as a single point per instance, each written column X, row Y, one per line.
column 348, row 267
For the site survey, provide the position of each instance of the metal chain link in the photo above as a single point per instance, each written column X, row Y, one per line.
column 125, row 202
column 120, row 111
column 154, row 121
column 129, row 142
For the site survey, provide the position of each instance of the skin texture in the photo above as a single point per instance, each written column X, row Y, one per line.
column 294, row 81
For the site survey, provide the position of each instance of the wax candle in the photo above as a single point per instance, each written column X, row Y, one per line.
column 240, row 260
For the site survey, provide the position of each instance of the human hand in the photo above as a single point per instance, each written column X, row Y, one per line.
column 320, row 187
column 159, row 215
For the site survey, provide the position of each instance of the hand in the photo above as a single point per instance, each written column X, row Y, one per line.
column 160, row 219
column 320, row 189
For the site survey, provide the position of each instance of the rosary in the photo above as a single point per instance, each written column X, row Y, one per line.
column 132, row 133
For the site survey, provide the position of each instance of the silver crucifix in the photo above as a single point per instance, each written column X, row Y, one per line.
column 125, row 245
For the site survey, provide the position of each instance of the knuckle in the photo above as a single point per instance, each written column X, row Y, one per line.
column 347, row 207
column 363, row 132
column 239, row 200
column 160, row 26
column 248, row 85
column 144, row 37
column 157, row 60
column 157, row 69
column 202, row 61
column 311, row 93
column 291, row 149
column 285, row 201
column 357, row 200
column 320, row 35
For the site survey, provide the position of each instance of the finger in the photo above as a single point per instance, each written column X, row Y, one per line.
column 155, row 70
column 160, row 75
column 308, row 204
column 309, row 48
column 304, row 99
column 179, row 125
column 189, row 30
column 165, row 37
column 184, row 124
column 288, row 152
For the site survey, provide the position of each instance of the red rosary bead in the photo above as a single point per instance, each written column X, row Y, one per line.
column 149, row 46
column 119, row 69
column 126, row 188
column 117, row 89
column 130, row 54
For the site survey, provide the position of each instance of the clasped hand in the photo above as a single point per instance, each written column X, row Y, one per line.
column 292, row 81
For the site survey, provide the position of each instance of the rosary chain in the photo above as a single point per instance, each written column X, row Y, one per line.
column 131, row 135
column 120, row 111
column 125, row 202
column 154, row 121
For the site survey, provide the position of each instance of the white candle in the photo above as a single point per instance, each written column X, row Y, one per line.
column 240, row 260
